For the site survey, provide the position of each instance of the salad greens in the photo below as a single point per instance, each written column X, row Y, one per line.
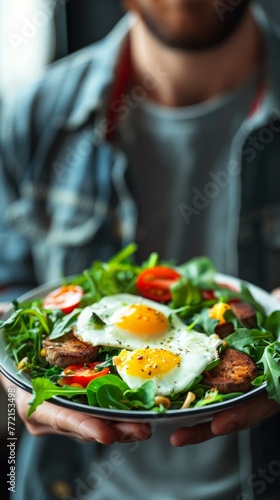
column 30, row 324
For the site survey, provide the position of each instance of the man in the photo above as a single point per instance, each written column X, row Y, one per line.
column 169, row 126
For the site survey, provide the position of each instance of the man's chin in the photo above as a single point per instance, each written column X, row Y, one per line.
column 201, row 33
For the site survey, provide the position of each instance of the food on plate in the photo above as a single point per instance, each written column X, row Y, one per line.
column 155, row 337
column 170, row 370
column 131, row 322
column 68, row 350
column 235, row 372
column 246, row 313
column 65, row 298
column 155, row 283
column 81, row 375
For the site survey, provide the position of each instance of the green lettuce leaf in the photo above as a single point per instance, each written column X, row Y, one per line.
column 44, row 389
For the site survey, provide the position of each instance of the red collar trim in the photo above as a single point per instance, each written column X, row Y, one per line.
column 122, row 76
column 258, row 100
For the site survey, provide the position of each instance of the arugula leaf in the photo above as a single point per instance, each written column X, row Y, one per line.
column 205, row 323
column 12, row 320
column 213, row 396
column 272, row 323
column 184, row 293
column 44, row 389
column 259, row 380
column 246, row 340
column 64, row 325
column 248, row 297
column 152, row 260
column 212, row 364
column 271, row 364
column 94, row 294
column 230, row 317
column 199, row 270
column 97, row 320
column 123, row 254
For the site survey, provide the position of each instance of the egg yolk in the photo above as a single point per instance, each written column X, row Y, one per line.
column 147, row 363
column 138, row 318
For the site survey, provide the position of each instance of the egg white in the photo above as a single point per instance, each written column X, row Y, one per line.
column 175, row 380
column 197, row 349
column 109, row 309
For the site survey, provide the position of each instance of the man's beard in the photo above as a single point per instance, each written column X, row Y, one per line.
column 209, row 27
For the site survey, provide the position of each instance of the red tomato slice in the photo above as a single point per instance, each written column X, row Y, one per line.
column 155, row 283
column 82, row 374
column 65, row 298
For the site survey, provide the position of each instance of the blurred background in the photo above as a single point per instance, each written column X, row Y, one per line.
column 33, row 34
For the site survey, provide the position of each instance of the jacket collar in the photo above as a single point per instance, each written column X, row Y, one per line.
column 271, row 34
column 103, row 58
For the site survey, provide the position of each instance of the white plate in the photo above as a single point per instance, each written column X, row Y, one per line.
column 190, row 416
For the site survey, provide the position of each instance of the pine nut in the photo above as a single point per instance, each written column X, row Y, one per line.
column 162, row 400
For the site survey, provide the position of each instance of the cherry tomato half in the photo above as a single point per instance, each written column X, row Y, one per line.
column 65, row 298
column 82, row 374
column 155, row 283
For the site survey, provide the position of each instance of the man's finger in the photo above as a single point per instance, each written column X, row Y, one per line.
column 62, row 420
column 52, row 419
column 128, row 432
column 244, row 416
column 49, row 418
column 192, row 435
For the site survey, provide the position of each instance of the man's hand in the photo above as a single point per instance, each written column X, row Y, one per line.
column 229, row 421
column 52, row 419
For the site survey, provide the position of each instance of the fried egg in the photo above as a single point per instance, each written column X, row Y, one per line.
column 130, row 322
column 155, row 342
column 172, row 372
